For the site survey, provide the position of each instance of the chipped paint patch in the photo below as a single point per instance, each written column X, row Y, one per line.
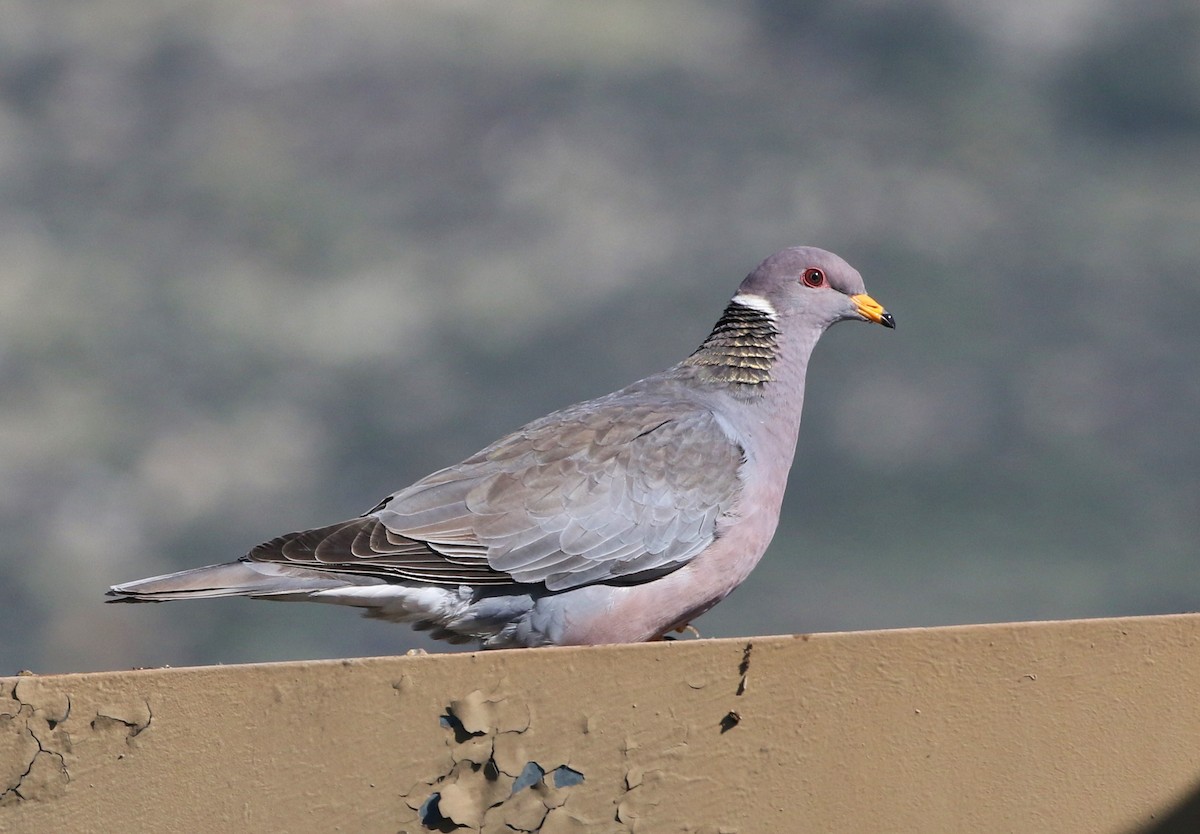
column 128, row 720
column 493, row 739
column 40, row 729
column 492, row 783
column 522, row 752
column 33, row 744
column 744, row 669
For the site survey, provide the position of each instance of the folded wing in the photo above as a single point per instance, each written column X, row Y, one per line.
column 607, row 491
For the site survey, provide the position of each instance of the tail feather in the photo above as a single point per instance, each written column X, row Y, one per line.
column 455, row 614
column 234, row 579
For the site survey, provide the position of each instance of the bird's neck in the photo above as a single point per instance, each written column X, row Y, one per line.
column 742, row 349
column 761, row 365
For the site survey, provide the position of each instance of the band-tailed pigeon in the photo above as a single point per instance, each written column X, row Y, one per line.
column 614, row 520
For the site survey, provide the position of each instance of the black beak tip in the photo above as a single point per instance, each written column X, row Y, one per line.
column 888, row 320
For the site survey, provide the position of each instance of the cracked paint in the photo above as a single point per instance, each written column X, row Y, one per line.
column 520, row 753
column 492, row 742
column 566, row 777
column 130, row 720
column 40, row 729
column 33, row 744
column 493, row 784
column 657, row 763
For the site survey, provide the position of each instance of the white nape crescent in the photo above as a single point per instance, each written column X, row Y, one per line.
column 755, row 302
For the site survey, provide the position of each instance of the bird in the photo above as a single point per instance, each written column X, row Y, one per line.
column 615, row 520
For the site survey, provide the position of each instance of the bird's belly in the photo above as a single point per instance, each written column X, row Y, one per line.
column 638, row 613
column 635, row 613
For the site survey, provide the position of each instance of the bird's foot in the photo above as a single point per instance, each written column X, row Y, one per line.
column 683, row 629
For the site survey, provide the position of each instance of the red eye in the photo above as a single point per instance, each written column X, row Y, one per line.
column 814, row 278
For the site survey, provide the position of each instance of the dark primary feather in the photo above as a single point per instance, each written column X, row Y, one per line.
column 612, row 489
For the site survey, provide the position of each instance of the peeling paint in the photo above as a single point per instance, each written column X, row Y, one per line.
column 33, row 744
column 734, row 717
column 566, row 777
column 130, row 719
column 40, row 728
column 730, row 720
column 492, row 783
column 491, row 743
column 744, row 669
column 403, row 685
column 531, row 774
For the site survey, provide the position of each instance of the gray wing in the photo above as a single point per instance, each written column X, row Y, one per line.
column 603, row 491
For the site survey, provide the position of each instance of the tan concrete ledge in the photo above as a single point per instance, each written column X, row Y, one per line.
column 1088, row 726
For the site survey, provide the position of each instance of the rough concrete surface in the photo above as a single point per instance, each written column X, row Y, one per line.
column 1087, row 726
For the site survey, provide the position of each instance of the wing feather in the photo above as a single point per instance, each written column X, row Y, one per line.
column 604, row 491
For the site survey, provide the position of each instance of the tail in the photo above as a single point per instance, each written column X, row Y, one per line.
column 234, row 579
column 449, row 613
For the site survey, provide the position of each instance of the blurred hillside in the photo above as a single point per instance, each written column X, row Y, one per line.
column 264, row 263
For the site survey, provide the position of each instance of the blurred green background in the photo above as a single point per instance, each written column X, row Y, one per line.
column 264, row 263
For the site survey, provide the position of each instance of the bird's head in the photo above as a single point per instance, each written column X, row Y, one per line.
column 811, row 284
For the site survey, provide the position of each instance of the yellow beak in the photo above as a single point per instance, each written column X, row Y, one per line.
column 872, row 310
